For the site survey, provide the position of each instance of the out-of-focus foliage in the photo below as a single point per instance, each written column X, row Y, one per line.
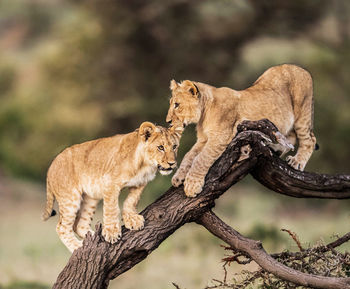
column 24, row 285
column 76, row 70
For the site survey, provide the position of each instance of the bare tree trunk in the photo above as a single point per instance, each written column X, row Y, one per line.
column 98, row 262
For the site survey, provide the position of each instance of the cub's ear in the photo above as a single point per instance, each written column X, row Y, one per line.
column 191, row 87
column 146, row 130
column 173, row 84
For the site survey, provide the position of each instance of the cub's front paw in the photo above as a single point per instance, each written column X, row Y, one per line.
column 178, row 178
column 112, row 233
column 133, row 221
column 296, row 162
column 193, row 186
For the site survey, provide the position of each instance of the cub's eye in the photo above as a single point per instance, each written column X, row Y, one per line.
column 174, row 147
column 161, row 148
column 176, row 105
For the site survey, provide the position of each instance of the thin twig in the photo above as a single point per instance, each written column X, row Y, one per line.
column 294, row 237
column 339, row 241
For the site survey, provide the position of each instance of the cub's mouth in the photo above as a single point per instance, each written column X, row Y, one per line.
column 164, row 171
column 171, row 124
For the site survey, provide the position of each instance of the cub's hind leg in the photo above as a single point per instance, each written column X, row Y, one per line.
column 292, row 137
column 83, row 220
column 307, row 142
column 68, row 212
column 132, row 220
column 303, row 127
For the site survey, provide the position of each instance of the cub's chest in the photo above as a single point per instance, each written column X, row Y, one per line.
column 143, row 176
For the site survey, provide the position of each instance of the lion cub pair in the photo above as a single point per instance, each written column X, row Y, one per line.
column 83, row 174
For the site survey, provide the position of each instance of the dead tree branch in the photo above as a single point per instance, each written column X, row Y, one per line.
column 98, row 262
column 256, row 251
column 319, row 260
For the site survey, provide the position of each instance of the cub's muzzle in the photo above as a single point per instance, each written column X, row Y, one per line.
column 165, row 171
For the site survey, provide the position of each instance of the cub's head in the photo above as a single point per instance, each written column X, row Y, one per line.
column 184, row 103
column 160, row 145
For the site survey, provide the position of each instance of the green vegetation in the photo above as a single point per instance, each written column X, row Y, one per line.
column 25, row 285
column 71, row 71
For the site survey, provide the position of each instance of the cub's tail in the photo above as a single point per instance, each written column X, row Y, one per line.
column 49, row 211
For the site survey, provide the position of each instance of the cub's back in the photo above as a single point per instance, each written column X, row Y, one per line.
column 278, row 95
column 289, row 81
column 283, row 76
column 91, row 157
column 63, row 171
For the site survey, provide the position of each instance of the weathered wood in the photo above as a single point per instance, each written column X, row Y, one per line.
column 278, row 176
column 256, row 251
column 98, row 262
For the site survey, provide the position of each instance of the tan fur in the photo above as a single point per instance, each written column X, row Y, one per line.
column 283, row 94
column 83, row 174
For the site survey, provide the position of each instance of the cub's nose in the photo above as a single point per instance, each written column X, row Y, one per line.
column 169, row 121
column 171, row 164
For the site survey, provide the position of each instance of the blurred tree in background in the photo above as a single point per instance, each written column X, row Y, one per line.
column 76, row 70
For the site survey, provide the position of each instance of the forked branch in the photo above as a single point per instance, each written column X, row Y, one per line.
column 98, row 262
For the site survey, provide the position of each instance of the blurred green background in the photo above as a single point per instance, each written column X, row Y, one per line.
column 71, row 71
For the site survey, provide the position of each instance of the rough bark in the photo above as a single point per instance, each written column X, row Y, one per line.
column 98, row 262
column 278, row 176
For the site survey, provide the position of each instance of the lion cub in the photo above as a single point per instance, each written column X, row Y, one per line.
column 283, row 94
column 83, row 174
